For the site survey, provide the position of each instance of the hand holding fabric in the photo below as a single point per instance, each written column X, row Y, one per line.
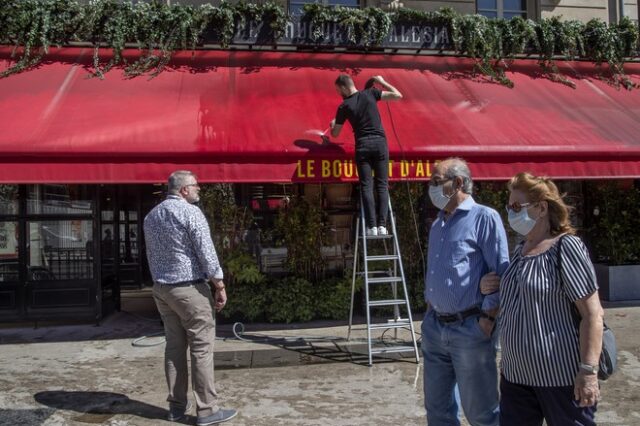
column 490, row 283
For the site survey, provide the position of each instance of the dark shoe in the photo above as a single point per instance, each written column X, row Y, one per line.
column 219, row 416
column 176, row 412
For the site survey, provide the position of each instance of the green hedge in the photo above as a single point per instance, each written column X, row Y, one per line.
column 614, row 222
column 289, row 299
column 252, row 296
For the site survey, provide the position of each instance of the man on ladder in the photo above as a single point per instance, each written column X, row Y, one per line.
column 372, row 152
column 372, row 160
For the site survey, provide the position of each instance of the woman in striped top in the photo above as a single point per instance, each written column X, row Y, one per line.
column 549, row 362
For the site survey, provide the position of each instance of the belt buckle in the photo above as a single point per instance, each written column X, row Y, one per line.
column 450, row 318
column 447, row 318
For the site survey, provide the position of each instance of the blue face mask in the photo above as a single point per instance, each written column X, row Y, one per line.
column 521, row 222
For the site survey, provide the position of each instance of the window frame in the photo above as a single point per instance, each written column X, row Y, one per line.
column 531, row 10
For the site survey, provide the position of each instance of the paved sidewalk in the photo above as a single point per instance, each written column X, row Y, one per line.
column 79, row 375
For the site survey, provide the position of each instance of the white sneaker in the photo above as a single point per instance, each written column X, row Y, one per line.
column 372, row 232
column 382, row 230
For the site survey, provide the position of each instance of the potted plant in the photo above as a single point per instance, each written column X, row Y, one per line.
column 614, row 239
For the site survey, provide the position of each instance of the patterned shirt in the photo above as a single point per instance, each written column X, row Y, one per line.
column 462, row 249
column 539, row 338
column 179, row 245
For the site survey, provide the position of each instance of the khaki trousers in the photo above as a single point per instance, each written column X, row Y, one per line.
column 187, row 314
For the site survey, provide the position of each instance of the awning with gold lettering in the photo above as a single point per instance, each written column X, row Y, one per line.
column 247, row 116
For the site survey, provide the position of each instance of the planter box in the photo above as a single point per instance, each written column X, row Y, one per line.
column 618, row 283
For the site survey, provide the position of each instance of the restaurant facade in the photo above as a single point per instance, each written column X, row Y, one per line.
column 82, row 160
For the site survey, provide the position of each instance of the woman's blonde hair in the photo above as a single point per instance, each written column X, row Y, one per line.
column 543, row 189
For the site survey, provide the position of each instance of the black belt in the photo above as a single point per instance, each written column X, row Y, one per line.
column 460, row 316
column 184, row 283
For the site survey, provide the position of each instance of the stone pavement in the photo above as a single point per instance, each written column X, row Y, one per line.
column 81, row 374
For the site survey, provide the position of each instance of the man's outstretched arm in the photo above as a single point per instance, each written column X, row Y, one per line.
column 391, row 93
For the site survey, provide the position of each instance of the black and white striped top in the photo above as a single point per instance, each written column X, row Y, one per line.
column 539, row 338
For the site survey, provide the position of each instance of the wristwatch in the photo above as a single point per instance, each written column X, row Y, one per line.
column 589, row 369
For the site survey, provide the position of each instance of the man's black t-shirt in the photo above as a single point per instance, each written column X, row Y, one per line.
column 362, row 112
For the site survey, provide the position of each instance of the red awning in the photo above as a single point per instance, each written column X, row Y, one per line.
column 249, row 116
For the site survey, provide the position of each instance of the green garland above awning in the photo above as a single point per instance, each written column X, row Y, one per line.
column 159, row 29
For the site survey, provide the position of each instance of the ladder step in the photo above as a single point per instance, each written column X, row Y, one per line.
column 395, row 324
column 385, row 257
column 387, row 272
column 388, row 302
column 379, row 280
column 377, row 237
column 392, row 349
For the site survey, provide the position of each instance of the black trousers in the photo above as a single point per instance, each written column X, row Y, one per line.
column 528, row 405
column 372, row 161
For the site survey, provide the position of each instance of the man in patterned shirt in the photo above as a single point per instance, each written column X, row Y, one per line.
column 184, row 267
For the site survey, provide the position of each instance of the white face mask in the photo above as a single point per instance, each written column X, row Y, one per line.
column 521, row 222
column 436, row 193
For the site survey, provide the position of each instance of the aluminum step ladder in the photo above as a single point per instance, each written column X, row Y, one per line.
column 393, row 275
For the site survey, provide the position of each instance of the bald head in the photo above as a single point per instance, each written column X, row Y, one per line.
column 454, row 167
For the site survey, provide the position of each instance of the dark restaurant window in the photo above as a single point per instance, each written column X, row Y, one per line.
column 9, row 266
column 60, row 250
column 9, row 199
column 59, row 199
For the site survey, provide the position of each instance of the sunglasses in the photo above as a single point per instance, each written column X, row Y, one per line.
column 517, row 207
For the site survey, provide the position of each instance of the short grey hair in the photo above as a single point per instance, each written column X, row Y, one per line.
column 178, row 180
column 458, row 167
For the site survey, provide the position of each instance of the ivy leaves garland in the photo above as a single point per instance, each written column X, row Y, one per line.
column 364, row 27
column 493, row 43
column 158, row 29
column 612, row 44
column 271, row 14
column 34, row 26
column 107, row 25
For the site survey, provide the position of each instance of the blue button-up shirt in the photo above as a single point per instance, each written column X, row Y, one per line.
column 462, row 249
column 179, row 245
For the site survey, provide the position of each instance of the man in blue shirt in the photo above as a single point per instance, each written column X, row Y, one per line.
column 466, row 241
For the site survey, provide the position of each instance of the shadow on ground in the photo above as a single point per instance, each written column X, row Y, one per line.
column 98, row 407
column 34, row 416
column 292, row 351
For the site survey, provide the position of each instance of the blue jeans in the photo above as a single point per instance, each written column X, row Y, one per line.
column 459, row 353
